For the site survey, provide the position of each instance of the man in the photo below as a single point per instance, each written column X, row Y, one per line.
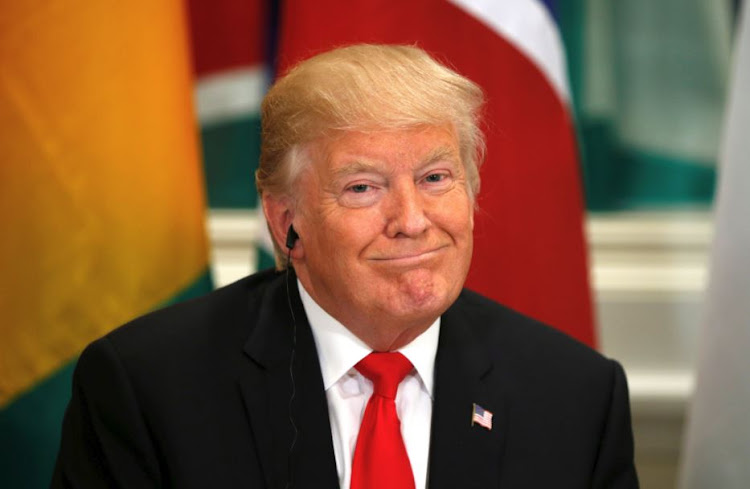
column 361, row 362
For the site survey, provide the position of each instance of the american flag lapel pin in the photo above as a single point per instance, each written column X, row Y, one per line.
column 481, row 416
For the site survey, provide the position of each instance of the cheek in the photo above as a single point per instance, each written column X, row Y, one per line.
column 459, row 219
column 341, row 237
column 356, row 227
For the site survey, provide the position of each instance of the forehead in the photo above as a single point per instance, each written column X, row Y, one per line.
column 353, row 151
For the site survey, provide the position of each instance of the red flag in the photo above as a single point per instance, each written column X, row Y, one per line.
column 529, row 250
column 226, row 34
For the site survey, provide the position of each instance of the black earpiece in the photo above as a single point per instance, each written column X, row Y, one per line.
column 291, row 237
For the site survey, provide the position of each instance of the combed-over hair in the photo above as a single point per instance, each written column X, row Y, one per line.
column 363, row 87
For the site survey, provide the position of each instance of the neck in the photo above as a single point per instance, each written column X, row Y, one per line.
column 380, row 331
column 383, row 341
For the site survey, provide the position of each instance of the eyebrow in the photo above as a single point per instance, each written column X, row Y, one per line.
column 357, row 166
column 441, row 153
column 361, row 166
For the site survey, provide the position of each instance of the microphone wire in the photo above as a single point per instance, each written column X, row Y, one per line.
column 290, row 480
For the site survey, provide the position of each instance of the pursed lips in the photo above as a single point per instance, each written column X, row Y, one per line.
column 410, row 257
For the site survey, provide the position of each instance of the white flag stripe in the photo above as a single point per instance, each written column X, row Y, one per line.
column 717, row 447
column 528, row 25
column 229, row 95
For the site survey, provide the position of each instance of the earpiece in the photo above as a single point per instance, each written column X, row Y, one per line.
column 291, row 237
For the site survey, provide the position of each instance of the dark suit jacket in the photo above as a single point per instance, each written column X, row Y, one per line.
column 197, row 396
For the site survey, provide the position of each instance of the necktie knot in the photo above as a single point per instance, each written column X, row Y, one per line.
column 386, row 371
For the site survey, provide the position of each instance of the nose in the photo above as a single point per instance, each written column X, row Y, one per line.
column 406, row 211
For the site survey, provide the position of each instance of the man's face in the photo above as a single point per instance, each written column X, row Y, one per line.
column 385, row 223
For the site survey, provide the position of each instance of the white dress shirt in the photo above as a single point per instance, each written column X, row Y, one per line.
column 348, row 391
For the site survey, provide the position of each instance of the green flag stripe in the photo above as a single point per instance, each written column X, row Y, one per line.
column 30, row 425
column 230, row 155
column 634, row 178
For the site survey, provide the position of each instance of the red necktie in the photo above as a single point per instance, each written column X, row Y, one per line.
column 380, row 458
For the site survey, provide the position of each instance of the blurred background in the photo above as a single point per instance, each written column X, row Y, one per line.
column 131, row 131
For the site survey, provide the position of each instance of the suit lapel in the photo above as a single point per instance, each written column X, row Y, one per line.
column 266, row 386
column 462, row 455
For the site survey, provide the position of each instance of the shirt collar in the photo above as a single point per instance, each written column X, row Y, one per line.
column 339, row 350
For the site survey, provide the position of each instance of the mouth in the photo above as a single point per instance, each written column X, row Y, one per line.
column 410, row 258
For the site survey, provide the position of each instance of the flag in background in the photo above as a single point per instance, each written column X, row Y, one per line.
column 233, row 43
column 529, row 248
column 649, row 79
column 717, row 441
column 229, row 51
column 101, row 197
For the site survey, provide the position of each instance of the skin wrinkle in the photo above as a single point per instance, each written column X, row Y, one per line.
column 360, row 166
column 301, row 154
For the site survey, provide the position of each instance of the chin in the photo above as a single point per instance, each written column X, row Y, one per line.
column 422, row 297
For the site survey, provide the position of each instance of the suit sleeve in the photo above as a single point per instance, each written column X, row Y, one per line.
column 615, row 467
column 105, row 442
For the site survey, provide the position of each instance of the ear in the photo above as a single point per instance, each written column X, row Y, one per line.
column 280, row 215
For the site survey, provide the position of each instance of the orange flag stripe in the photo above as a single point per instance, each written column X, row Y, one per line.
column 101, row 191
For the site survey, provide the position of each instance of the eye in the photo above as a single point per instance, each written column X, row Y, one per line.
column 437, row 181
column 359, row 188
column 435, row 177
column 360, row 194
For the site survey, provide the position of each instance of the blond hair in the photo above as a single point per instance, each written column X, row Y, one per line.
column 364, row 87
